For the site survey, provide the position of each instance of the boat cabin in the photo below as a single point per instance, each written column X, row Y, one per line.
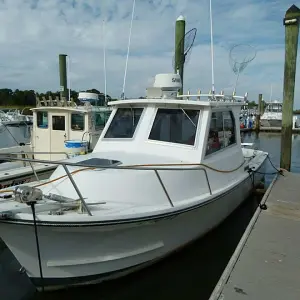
column 55, row 122
column 274, row 107
column 181, row 128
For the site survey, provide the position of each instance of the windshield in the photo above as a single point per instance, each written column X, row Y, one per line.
column 124, row 123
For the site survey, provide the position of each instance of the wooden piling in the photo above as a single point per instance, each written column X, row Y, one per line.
column 259, row 113
column 291, row 23
column 63, row 75
column 179, row 49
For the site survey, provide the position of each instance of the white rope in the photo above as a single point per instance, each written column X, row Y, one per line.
column 104, row 60
column 212, row 49
column 128, row 49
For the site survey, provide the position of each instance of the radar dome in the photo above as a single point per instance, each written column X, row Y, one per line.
column 167, row 82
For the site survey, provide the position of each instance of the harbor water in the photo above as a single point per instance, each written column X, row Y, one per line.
column 14, row 135
column 193, row 272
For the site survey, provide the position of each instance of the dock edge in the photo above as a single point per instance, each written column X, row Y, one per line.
column 217, row 292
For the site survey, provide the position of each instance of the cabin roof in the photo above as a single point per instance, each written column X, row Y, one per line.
column 160, row 102
column 78, row 109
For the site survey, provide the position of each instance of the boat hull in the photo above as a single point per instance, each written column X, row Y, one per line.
column 271, row 123
column 8, row 180
column 75, row 255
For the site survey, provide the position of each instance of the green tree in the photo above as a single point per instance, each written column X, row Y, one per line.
column 24, row 98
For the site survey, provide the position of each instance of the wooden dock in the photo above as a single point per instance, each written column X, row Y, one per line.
column 269, row 129
column 266, row 262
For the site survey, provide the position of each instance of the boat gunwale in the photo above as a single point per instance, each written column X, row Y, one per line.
column 148, row 218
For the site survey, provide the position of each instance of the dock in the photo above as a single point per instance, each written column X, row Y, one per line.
column 269, row 129
column 266, row 262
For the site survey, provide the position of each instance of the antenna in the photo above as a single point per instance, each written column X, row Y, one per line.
column 212, row 50
column 128, row 49
column 104, row 62
column 271, row 92
column 69, row 92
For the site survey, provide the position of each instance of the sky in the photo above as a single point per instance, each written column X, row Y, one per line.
column 34, row 32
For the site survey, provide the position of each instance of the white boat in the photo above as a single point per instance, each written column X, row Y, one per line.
column 13, row 117
column 272, row 116
column 166, row 170
column 57, row 125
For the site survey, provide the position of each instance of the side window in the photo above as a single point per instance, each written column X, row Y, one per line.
column 124, row 123
column 221, row 131
column 101, row 119
column 175, row 126
column 229, row 128
column 77, row 122
column 58, row 123
column 42, row 119
column 98, row 121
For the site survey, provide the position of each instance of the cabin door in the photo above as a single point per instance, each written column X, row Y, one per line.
column 59, row 133
column 41, row 135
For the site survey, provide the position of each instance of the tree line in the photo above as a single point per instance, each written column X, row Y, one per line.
column 19, row 98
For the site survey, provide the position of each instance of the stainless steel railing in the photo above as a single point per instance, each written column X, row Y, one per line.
column 156, row 170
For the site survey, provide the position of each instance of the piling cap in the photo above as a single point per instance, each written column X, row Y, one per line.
column 292, row 12
column 180, row 18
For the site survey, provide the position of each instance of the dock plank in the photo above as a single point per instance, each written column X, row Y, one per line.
column 268, row 263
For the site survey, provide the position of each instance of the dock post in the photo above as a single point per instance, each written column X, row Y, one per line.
column 259, row 113
column 291, row 23
column 179, row 48
column 63, row 76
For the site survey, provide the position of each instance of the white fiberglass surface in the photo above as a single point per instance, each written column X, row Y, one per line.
column 115, row 194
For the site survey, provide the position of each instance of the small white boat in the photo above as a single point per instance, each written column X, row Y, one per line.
column 272, row 116
column 60, row 130
column 14, row 117
column 166, row 170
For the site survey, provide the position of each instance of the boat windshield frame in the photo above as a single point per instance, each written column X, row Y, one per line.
column 124, row 118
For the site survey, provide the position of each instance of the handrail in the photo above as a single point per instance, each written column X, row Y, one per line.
column 216, row 97
column 64, row 164
column 163, row 187
column 132, row 167
column 32, row 152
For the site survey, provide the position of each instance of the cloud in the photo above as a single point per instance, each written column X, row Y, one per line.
column 34, row 32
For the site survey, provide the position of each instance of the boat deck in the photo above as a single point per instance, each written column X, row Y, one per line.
column 266, row 262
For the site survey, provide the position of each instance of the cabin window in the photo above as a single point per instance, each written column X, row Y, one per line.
column 221, row 132
column 124, row 123
column 274, row 107
column 175, row 126
column 58, row 123
column 77, row 122
column 101, row 119
column 42, row 119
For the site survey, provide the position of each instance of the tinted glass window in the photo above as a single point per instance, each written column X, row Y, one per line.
column 42, row 119
column 101, row 119
column 77, row 122
column 58, row 123
column 175, row 126
column 124, row 123
column 221, row 132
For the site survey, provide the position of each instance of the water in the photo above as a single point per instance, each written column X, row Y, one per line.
column 14, row 135
column 193, row 272
column 271, row 143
